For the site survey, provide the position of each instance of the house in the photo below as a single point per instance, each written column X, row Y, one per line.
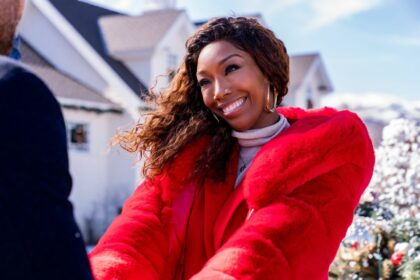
column 309, row 81
column 100, row 65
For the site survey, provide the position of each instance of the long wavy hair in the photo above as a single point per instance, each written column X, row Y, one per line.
column 180, row 115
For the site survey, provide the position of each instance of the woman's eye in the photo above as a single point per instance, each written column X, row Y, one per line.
column 231, row 68
column 203, row 82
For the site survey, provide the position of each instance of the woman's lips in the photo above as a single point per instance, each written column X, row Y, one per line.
column 232, row 107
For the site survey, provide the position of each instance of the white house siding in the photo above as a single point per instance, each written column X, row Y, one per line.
column 102, row 179
column 172, row 44
column 140, row 67
column 313, row 93
column 308, row 90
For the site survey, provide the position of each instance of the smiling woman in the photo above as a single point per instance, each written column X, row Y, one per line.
column 235, row 187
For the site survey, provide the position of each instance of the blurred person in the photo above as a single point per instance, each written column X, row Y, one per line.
column 235, row 187
column 39, row 238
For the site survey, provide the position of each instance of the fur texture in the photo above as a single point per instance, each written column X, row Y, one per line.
column 302, row 187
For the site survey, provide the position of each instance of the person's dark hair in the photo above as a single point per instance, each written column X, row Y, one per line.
column 181, row 115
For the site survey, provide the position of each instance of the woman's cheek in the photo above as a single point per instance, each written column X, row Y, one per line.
column 208, row 101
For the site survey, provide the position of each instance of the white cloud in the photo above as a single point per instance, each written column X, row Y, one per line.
column 326, row 12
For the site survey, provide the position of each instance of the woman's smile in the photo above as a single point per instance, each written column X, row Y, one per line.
column 230, row 108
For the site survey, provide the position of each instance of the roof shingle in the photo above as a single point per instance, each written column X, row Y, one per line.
column 60, row 84
column 136, row 33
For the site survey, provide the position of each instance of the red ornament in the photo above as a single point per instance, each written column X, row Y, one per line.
column 397, row 258
column 355, row 245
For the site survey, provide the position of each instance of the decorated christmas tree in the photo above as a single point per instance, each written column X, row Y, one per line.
column 384, row 240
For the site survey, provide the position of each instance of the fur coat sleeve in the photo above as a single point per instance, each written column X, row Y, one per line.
column 134, row 241
column 139, row 241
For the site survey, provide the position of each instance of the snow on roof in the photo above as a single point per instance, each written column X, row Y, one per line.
column 123, row 33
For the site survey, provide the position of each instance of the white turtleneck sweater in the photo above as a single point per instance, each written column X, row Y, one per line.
column 251, row 142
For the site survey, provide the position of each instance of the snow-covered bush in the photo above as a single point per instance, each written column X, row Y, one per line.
column 396, row 180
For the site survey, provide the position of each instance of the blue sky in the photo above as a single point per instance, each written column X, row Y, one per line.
column 367, row 46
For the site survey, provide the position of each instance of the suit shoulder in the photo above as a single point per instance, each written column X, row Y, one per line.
column 8, row 66
column 18, row 82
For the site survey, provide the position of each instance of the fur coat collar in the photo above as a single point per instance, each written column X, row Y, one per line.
column 317, row 142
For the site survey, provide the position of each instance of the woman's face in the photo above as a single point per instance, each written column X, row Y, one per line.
column 233, row 86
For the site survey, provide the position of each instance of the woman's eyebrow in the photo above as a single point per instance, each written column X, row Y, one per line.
column 228, row 57
column 221, row 62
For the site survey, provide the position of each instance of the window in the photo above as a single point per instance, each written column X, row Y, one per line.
column 309, row 104
column 78, row 136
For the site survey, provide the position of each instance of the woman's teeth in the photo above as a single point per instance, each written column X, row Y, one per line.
column 233, row 106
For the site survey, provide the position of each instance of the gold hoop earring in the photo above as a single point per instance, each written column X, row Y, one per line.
column 271, row 109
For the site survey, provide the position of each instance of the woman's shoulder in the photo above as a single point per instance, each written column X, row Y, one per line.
column 317, row 142
column 324, row 126
column 323, row 115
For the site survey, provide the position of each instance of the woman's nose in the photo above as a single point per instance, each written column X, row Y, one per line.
column 221, row 90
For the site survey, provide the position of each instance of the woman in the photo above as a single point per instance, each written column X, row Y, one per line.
column 235, row 188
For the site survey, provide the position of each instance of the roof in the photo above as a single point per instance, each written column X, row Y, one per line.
column 123, row 33
column 299, row 66
column 66, row 89
column 84, row 18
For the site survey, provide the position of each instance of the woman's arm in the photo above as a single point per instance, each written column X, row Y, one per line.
column 134, row 246
column 138, row 242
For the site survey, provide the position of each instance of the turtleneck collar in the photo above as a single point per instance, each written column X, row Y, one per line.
column 260, row 136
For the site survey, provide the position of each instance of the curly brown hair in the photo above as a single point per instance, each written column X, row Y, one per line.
column 181, row 116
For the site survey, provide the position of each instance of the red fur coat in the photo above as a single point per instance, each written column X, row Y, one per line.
column 301, row 189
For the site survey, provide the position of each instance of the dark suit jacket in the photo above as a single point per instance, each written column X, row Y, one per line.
column 39, row 238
